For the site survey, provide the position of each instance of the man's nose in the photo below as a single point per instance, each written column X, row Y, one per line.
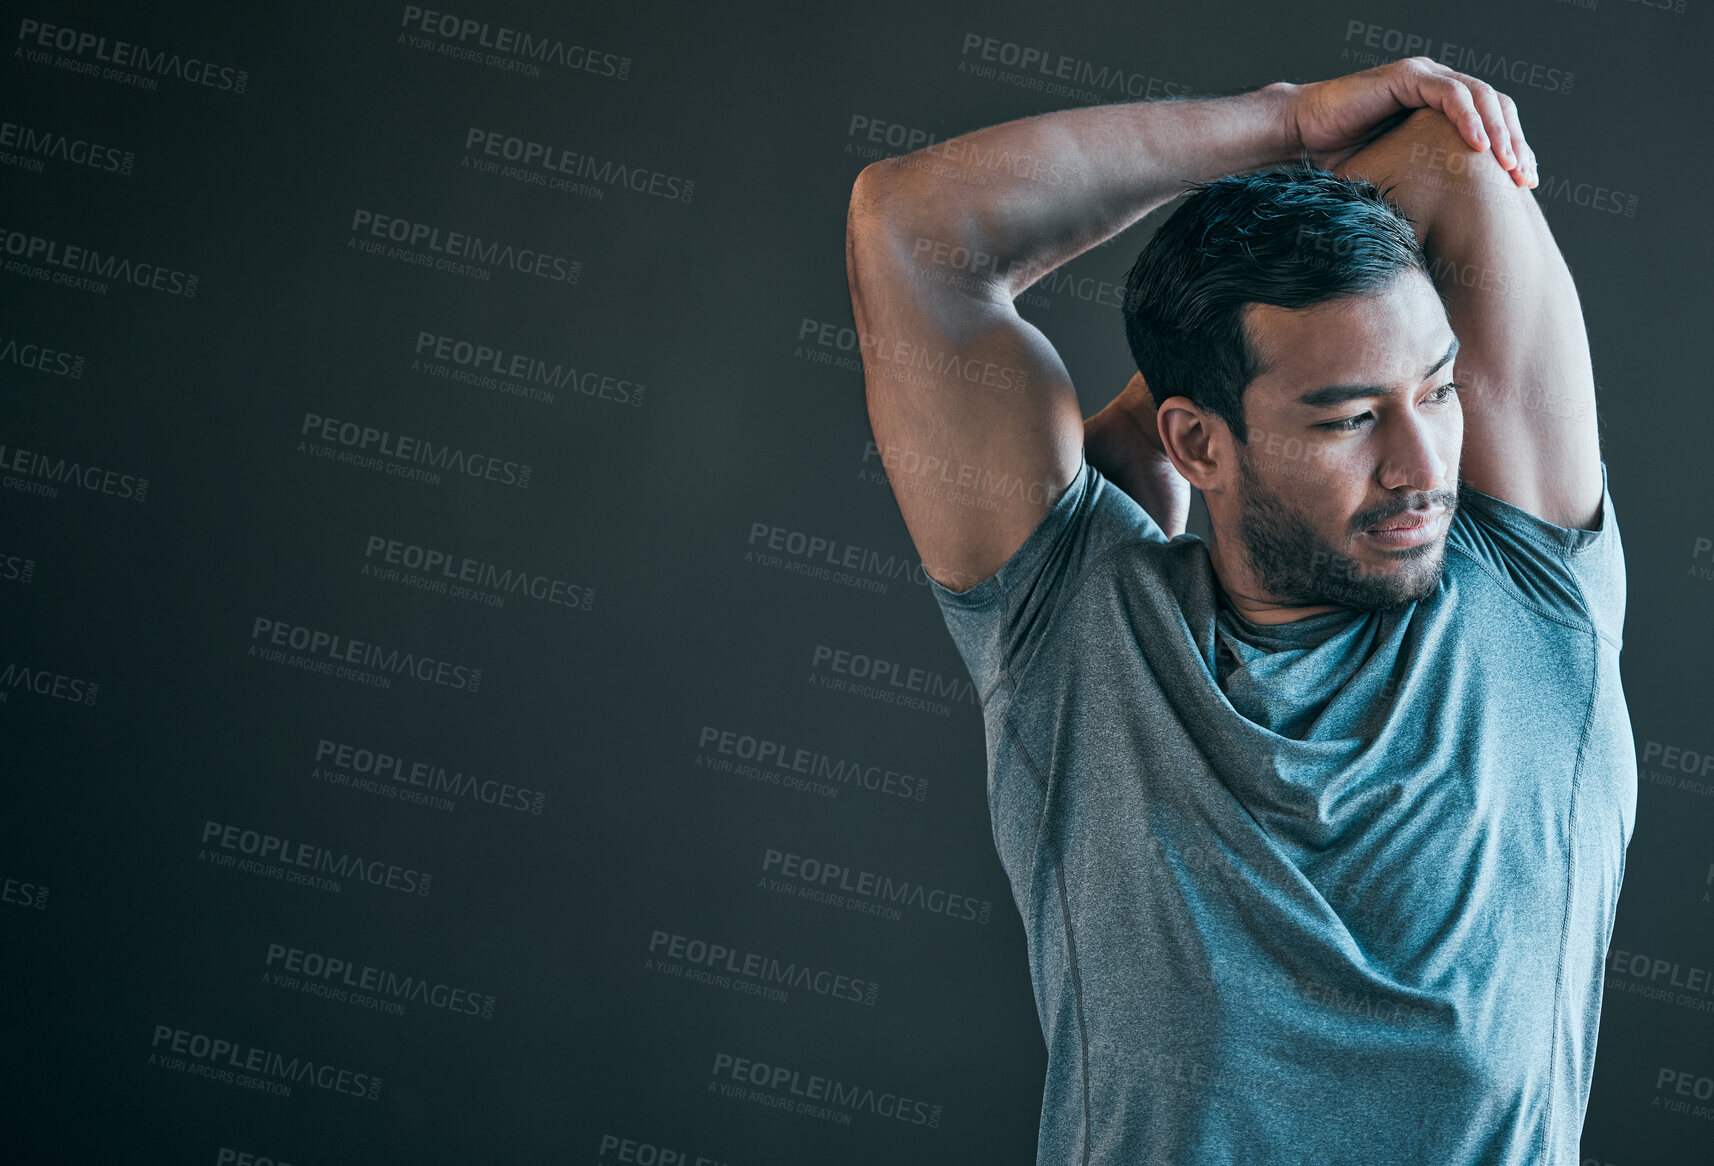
column 1410, row 457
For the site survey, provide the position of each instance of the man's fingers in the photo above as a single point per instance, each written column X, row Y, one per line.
column 1487, row 100
column 1525, row 174
column 1499, row 118
column 1484, row 116
column 1451, row 96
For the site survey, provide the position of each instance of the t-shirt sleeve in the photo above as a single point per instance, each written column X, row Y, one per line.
column 1565, row 571
column 997, row 624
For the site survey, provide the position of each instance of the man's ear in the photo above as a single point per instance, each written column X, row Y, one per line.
column 1198, row 442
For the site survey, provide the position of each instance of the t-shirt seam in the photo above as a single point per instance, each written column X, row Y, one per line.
column 1017, row 738
column 1010, row 729
column 1567, row 543
column 1588, row 627
column 1003, row 589
column 1570, row 883
column 1077, row 1001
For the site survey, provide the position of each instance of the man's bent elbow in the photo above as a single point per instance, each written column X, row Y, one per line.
column 1437, row 166
column 869, row 193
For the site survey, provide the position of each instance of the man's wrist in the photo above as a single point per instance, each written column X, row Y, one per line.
column 1285, row 95
column 1254, row 130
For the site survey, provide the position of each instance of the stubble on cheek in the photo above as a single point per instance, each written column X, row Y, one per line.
column 1298, row 564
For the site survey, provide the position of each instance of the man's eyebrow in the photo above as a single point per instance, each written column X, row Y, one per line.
column 1339, row 394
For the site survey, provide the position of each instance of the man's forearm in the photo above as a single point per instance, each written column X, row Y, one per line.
column 1123, row 442
column 1026, row 196
column 1134, row 414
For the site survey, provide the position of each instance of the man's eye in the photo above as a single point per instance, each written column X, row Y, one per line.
column 1346, row 425
column 1349, row 424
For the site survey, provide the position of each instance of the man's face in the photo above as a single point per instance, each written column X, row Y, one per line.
column 1346, row 487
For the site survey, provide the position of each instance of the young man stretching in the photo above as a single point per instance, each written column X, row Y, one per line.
column 1317, row 828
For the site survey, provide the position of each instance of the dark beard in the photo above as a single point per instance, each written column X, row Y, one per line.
column 1301, row 569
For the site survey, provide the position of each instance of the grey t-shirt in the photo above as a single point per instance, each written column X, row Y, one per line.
column 1335, row 891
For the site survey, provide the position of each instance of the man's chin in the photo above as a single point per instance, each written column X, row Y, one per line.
column 1393, row 578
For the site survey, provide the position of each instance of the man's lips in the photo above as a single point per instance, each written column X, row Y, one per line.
column 1411, row 519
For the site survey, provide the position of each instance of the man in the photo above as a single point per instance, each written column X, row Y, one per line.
column 1316, row 829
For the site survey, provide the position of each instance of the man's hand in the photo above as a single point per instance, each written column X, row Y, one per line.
column 1334, row 119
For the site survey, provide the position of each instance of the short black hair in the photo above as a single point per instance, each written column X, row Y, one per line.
column 1291, row 237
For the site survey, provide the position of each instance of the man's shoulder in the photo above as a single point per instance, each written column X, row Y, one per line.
column 1572, row 575
column 1084, row 578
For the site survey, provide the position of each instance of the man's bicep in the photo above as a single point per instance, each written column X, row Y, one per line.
column 973, row 413
column 1528, row 393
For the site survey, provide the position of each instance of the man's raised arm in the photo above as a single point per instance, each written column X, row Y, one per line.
column 971, row 407
column 1528, row 391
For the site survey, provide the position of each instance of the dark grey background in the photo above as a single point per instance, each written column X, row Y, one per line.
column 652, row 507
